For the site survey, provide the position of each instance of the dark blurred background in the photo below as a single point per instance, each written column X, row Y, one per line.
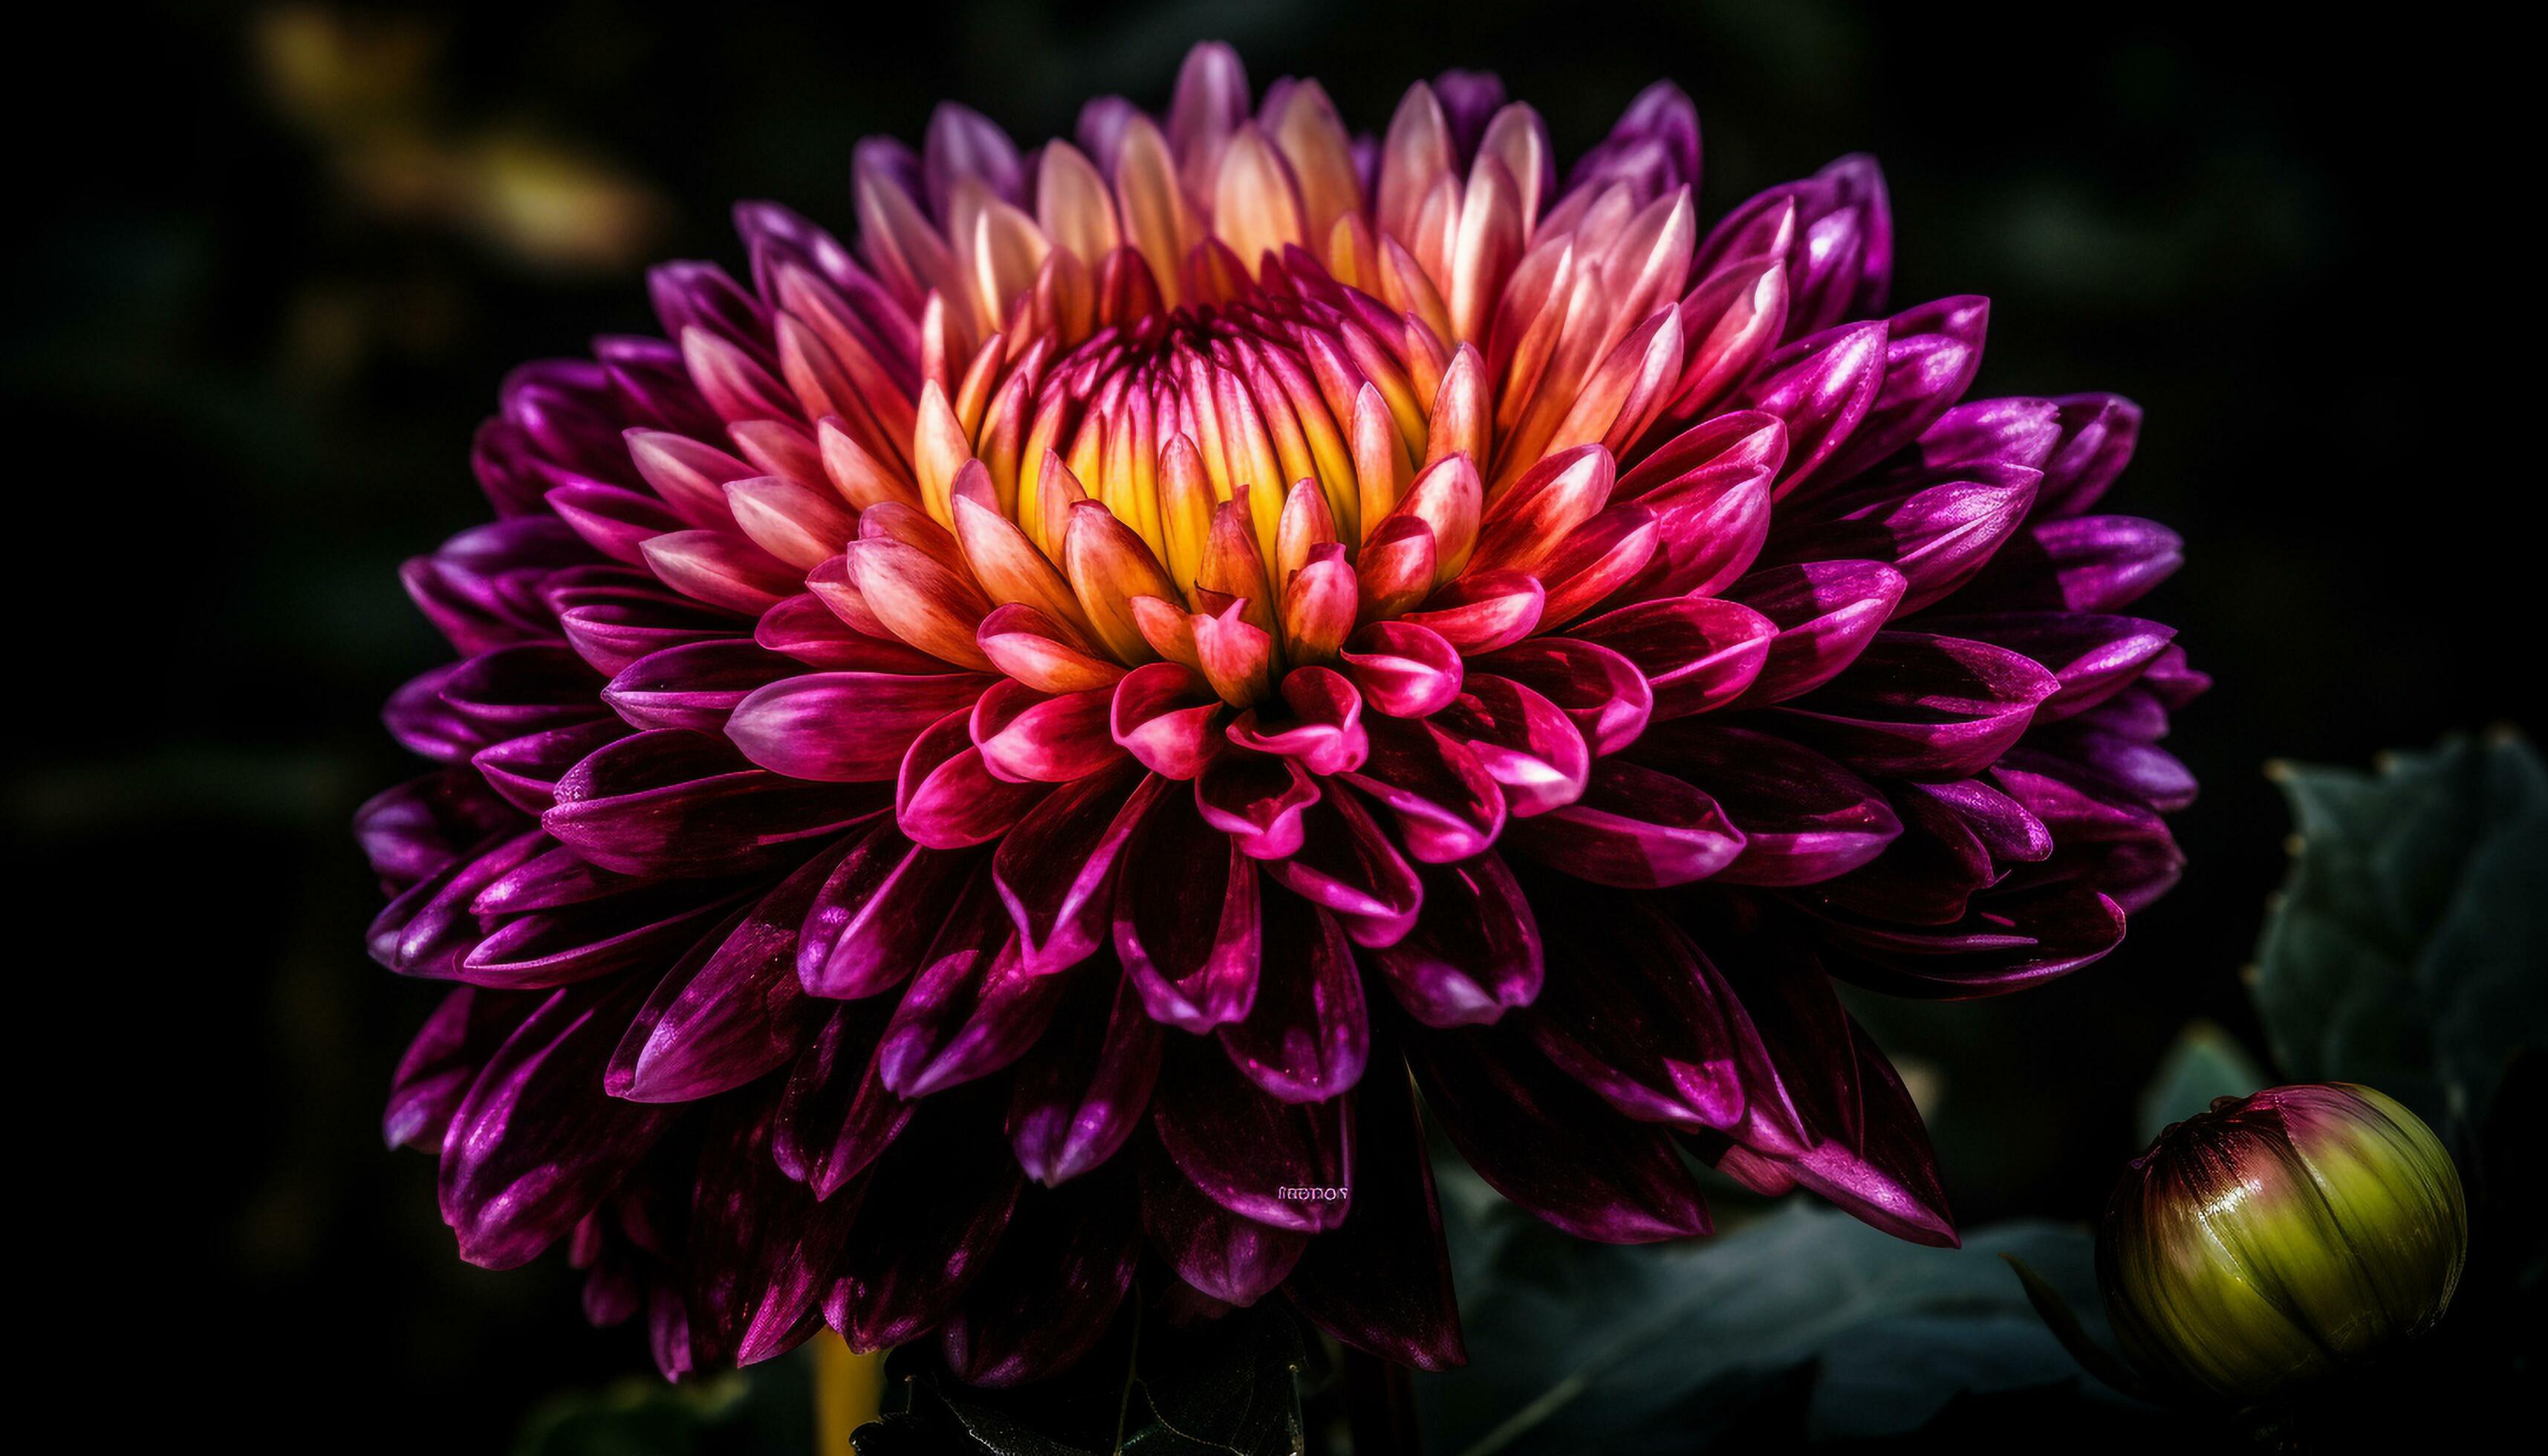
column 274, row 259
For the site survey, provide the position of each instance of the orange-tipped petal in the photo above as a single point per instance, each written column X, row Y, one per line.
column 1255, row 203
column 1073, row 204
column 1396, row 569
column 1448, row 497
column 1529, row 521
column 1381, row 468
column 857, row 473
column 1463, row 411
column 801, row 526
column 1517, row 140
column 1232, row 566
column 1313, row 139
column 1108, row 567
column 915, row 529
column 1318, row 605
column 1043, row 654
column 1416, row 153
column 1185, row 512
column 689, row 474
column 1008, row 565
column 1157, row 220
column 940, row 450
column 1306, row 526
column 1484, row 249
column 919, row 599
column 1236, row 654
column 1168, row 627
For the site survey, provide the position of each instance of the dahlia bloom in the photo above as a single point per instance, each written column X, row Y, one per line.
column 1017, row 747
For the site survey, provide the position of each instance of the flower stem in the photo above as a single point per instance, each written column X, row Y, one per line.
column 849, row 1392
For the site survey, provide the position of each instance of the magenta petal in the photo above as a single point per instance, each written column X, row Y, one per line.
column 947, row 797
column 526, row 770
column 696, row 686
column 2092, row 656
column 1437, row 790
column 1280, row 1163
column 835, row 1116
column 1306, row 1037
column 1659, row 1034
column 1931, row 871
column 616, row 522
column 1710, row 492
column 1826, row 612
column 1479, row 612
column 1601, row 693
column 1054, row 1282
column 426, row 928
column 1323, row 729
column 1381, row 1281
column 865, row 928
column 1828, row 1110
column 2143, row 771
column 973, row 1008
column 1083, row 1089
column 1055, row 870
column 1820, row 388
column 1403, row 669
column 615, row 631
column 1635, row 829
column 1163, row 713
column 1804, row 818
column 1346, row 863
column 1258, row 800
column 1541, row 1140
column 514, row 692
column 757, row 1248
column 2088, row 562
column 1931, row 355
column 535, row 1143
column 722, row 569
column 804, row 628
column 1186, row 918
column 1924, row 707
column 442, row 1061
column 1937, row 535
column 576, row 943
column 679, row 803
column 731, row 1011
column 1474, row 952
column 1526, row 744
column 1597, row 560
column 846, row 727
column 1697, row 653
column 946, row 1193
column 1029, row 736
column 2010, row 940
column 2017, row 431
column 1234, row 1259
column 2098, row 432
column 414, row 829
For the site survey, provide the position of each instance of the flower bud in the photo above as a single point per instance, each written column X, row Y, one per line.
column 2281, row 1237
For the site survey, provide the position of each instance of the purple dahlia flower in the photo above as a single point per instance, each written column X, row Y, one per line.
column 1023, row 745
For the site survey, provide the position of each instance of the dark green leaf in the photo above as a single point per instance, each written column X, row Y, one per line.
column 2406, row 949
column 2205, row 1062
column 1581, row 1347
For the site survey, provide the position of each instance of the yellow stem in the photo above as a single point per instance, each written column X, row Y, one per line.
column 849, row 1392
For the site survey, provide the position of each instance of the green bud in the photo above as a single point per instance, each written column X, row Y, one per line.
column 2279, row 1238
